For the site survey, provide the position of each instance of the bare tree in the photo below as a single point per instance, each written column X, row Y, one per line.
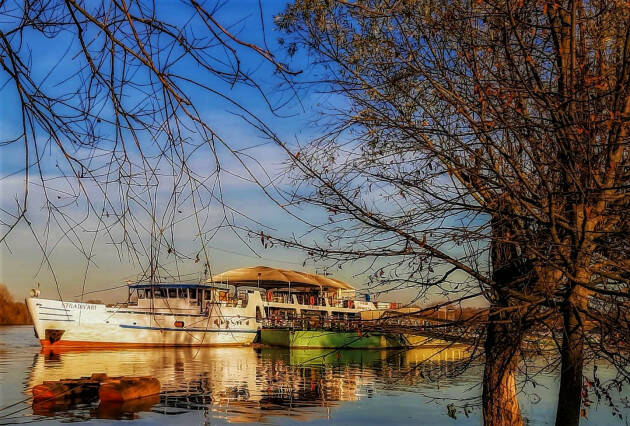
column 112, row 123
column 481, row 149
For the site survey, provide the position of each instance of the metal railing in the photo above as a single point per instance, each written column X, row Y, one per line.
column 340, row 325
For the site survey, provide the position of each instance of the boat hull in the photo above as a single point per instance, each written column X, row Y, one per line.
column 331, row 339
column 83, row 325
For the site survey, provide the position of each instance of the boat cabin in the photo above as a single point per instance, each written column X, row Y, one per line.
column 185, row 298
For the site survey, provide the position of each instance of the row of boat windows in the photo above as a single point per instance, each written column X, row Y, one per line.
column 173, row 293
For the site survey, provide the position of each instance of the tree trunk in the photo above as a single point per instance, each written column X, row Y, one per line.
column 500, row 402
column 570, row 395
column 503, row 332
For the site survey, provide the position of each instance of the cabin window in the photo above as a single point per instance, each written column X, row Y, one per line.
column 172, row 293
column 140, row 294
column 182, row 293
column 160, row 293
column 148, row 293
column 208, row 296
column 192, row 293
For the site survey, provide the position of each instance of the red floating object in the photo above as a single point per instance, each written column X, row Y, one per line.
column 128, row 388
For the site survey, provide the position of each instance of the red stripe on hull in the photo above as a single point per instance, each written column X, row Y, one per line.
column 114, row 345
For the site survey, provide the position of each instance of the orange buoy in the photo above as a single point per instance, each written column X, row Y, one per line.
column 312, row 300
column 269, row 296
column 127, row 388
column 83, row 388
column 350, row 304
column 51, row 391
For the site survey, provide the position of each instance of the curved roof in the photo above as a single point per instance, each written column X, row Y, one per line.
column 169, row 285
column 273, row 277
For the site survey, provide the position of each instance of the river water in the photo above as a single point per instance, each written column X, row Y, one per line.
column 272, row 386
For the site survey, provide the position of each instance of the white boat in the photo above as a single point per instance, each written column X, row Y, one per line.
column 228, row 309
column 154, row 315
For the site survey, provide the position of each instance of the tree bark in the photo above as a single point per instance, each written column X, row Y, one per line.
column 504, row 332
column 570, row 394
column 500, row 402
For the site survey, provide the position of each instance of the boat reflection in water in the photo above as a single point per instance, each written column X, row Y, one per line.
column 242, row 384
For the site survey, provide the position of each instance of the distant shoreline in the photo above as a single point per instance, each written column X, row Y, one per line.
column 11, row 312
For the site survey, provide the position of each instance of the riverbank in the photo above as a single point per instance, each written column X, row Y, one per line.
column 12, row 312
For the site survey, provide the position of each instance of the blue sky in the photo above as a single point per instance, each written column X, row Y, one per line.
column 21, row 261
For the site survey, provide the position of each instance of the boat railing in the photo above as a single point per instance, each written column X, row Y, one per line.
column 280, row 298
column 305, row 300
column 229, row 303
column 332, row 324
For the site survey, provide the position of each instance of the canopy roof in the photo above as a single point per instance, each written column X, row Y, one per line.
column 169, row 285
column 274, row 277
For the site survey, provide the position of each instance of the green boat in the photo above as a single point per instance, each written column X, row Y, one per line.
column 303, row 310
column 331, row 339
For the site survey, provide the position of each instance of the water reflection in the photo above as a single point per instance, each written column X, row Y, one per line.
column 85, row 409
column 275, row 386
column 242, row 384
